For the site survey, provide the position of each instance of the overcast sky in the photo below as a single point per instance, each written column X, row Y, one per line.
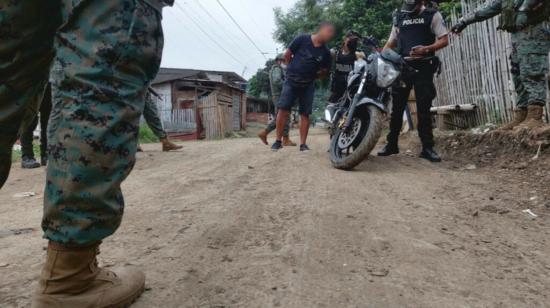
column 187, row 45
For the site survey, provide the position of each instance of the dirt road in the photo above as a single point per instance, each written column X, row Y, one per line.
column 231, row 224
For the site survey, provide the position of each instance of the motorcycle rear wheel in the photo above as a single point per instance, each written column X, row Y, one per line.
column 361, row 140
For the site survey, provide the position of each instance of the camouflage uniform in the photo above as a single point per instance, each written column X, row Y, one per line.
column 152, row 117
column 106, row 54
column 529, row 59
column 276, row 81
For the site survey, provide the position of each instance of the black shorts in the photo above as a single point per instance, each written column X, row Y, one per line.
column 293, row 91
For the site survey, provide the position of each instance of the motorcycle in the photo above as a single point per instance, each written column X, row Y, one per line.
column 355, row 122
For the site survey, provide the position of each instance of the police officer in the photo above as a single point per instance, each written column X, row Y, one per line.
column 418, row 32
column 276, row 81
column 524, row 19
column 105, row 53
column 344, row 60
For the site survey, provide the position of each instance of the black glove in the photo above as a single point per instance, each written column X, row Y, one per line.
column 459, row 27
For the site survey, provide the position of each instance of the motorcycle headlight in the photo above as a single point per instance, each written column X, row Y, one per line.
column 328, row 116
column 387, row 74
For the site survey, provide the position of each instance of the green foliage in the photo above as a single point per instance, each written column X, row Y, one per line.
column 16, row 155
column 368, row 17
column 258, row 85
column 146, row 135
column 447, row 8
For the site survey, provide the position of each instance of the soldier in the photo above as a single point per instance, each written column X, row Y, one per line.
column 28, row 161
column 107, row 52
column 418, row 32
column 152, row 118
column 524, row 19
column 276, row 81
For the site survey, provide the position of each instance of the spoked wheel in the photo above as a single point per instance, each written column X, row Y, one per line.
column 349, row 148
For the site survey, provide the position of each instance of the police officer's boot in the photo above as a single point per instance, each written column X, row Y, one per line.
column 263, row 136
column 71, row 278
column 519, row 116
column 287, row 142
column 430, row 154
column 29, row 163
column 534, row 118
column 389, row 149
column 168, row 146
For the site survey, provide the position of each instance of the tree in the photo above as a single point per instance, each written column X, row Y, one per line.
column 259, row 85
column 368, row 17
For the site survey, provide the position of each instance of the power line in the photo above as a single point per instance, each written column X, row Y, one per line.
column 241, row 29
column 207, row 34
column 221, row 27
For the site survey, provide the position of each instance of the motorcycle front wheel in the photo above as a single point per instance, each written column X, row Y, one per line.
column 349, row 148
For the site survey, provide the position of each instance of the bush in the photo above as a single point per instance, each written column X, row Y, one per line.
column 146, row 135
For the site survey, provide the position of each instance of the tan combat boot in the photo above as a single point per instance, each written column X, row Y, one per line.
column 168, row 146
column 71, row 278
column 519, row 117
column 533, row 119
column 263, row 136
column 287, row 142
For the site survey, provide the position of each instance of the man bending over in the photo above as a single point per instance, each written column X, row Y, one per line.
column 308, row 59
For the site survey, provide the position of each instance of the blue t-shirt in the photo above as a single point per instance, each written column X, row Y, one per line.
column 307, row 59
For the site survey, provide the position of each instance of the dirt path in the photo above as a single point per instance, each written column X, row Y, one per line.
column 231, row 224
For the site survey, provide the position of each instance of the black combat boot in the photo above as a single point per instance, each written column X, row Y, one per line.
column 29, row 163
column 388, row 150
column 430, row 154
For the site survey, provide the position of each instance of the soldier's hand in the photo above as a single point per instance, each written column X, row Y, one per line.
column 459, row 27
column 521, row 20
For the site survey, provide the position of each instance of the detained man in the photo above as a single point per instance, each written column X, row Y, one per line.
column 308, row 59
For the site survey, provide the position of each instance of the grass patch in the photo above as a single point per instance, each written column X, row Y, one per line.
column 146, row 135
column 16, row 155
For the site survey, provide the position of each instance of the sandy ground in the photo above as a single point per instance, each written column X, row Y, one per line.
column 231, row 224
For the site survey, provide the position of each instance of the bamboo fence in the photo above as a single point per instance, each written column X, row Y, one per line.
column 476, row 70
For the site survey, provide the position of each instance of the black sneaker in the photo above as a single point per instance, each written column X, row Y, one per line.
column 29, row 163
column 431, row 155
column 389, row 150
column 304, row 148
column 277, row 146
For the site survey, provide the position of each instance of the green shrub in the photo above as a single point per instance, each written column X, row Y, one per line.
column 146, row 135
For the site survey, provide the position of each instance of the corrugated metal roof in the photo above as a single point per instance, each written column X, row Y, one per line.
column 170, row 74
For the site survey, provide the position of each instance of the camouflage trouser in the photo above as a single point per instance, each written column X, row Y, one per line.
column 530, row 65
column 107, row 53
column 272, row 125
column 152, row 117
column 26, row 50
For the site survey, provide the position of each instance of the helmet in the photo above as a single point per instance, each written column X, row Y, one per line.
column 410, row 5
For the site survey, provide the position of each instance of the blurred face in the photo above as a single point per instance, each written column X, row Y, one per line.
column 326, row 33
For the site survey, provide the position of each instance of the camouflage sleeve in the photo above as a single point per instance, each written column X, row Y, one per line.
column 529, row 5
column 276, row 77
column 487, row 11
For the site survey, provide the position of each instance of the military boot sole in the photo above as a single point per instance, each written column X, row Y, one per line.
column 125, row 303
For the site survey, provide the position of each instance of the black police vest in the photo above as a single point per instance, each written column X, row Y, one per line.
column 415, row 30
column 344, row 64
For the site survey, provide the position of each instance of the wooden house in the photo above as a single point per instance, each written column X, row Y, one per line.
column 198, row 104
